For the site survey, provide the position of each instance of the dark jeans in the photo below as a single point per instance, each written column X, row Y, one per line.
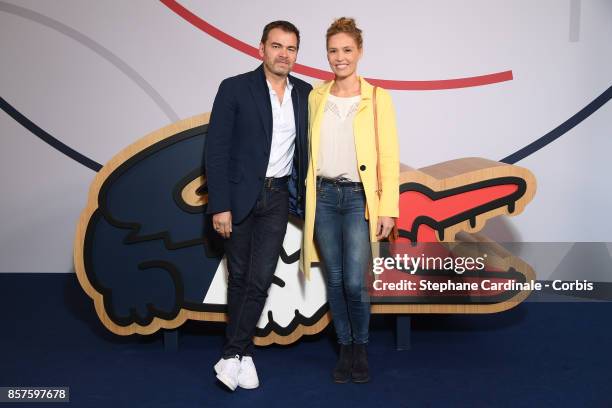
column 252, row 254
column 343, row 238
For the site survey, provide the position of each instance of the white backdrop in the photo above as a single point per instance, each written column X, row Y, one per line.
column 99, row 75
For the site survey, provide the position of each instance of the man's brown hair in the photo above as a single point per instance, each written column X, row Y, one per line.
column 283, row 25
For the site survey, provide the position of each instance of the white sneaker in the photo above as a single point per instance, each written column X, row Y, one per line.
column 247, row 376
column 219, row 366
column 227, row 372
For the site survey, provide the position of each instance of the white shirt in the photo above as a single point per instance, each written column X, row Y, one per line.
column 337, row 156
column 283, row 133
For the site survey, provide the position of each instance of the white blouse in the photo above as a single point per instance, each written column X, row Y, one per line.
column 337, row 156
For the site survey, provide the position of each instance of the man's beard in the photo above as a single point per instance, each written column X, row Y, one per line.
column 280, row 69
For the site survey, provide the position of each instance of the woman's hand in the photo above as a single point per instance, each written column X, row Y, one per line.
column 384, row 227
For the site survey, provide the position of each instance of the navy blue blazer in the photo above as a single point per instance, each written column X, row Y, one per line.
column 238, row 144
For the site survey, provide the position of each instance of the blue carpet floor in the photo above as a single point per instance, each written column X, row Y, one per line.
column 535, row 355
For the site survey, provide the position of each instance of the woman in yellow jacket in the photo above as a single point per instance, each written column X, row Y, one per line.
column 344, row 213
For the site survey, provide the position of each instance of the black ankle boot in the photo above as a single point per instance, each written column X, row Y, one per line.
column 342, row 372
column 360, row 372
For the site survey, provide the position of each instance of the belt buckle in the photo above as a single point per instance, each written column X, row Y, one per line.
column 343, row 180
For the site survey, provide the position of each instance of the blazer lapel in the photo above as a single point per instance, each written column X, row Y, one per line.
column 261, row 95
column 295, row 101
column 363, row 117
column 366, row 95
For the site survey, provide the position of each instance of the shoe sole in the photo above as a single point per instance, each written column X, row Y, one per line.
column 361, row 381
column 248, row 387
column 227, row 382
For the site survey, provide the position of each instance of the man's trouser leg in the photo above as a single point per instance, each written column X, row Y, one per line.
column 252, row 254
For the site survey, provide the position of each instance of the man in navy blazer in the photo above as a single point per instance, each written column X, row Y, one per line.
column 256, row 161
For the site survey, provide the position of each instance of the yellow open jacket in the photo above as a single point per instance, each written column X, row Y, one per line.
column 365, row 147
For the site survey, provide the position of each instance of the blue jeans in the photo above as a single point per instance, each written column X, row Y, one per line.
column 343, row 238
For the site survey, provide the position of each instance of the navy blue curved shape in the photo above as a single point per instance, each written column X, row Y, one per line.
column 47, row 138
column 141, row 194
column 159, row 264
column 144, row 280
column 148, row 253
column 560, row 130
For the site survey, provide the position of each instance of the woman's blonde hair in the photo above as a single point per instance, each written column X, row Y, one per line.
column 345, row 25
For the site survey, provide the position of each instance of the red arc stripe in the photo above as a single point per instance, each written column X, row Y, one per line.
column 241, row 46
